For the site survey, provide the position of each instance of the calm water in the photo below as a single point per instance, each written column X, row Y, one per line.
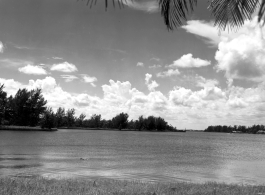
column 191, row 156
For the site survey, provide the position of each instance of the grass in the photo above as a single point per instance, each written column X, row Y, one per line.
column 39, row 186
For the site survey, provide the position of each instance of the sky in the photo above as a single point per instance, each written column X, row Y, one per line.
column 126, row 60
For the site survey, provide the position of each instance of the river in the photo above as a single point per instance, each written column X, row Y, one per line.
column 146, row 156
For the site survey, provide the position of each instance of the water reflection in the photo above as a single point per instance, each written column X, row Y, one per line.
column 195, row 157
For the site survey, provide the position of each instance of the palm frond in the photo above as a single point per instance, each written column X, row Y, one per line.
column 232, row 13
column 176, row 11
column 261, row 14
column 94, row 2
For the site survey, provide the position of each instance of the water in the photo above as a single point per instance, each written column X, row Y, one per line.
column 146, row 156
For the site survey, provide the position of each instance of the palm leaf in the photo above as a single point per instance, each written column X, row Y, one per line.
column 262, row 11
column 227, row 13
column 232, row 13
column 173, row 11
column 176, row 11
column 94, row 2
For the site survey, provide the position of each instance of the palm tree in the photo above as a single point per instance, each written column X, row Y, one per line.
column 227, row 13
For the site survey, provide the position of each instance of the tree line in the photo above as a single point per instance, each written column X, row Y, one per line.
column 235, row 129
column 28, row 108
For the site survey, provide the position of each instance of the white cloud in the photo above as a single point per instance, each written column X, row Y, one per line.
column 11, row 86
column 147, row 77
column 57, row 58
column 243, row 57
column 64, row 67
column 237, row 103
column 168, row 73
column 240, row 54
column 69, row 78
column 155, row 66
column 89, row 79
column 1, row 47
column 183, row 107
column 150, row 84
column 203, row 82
column 187, row 61
column 140, row 64
column 147, row 5
column 31, row 69
column 210, row 33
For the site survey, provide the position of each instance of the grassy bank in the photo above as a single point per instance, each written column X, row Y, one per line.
column 34, row 186
column 24, row 128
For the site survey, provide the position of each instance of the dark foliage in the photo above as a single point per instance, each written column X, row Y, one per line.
column 48, row 120
column 235, row 129
column 227, row 13
column 3, row 102
column 27, row 108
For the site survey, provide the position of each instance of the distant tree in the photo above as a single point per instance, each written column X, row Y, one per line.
column 80, row 120
column 60, row 117
column 131, row 124
column 95, row 121
column 36, row 105
column 27, row 107
column 48, row 119
column 139, row 124
column 70, row 117
column 9, row 111
column 150, row 123
column 3, row 102
column 120, row 121
column 161, row 124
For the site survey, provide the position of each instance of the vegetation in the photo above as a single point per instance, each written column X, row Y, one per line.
column 236, row 129
column 28, row 108
column 227, row 13
column 24, row 109
column 63, row 119
column 32, row 186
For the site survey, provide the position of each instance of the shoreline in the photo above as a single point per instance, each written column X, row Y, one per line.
column 107, row 129
column 41, row 185
column 25, row 128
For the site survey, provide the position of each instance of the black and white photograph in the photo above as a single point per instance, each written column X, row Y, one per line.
column 128, row 97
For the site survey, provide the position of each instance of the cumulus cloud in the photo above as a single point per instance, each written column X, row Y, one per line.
column 199, row 81
column 237, row 103
column 183, row 107
column 240, row 54
column 69, row 78
column 31, row 69
column 187, row 61
column 150, row 84
column 197, row 99
column 64, row 67
column 203, row 82
column 11, row 86
column 89, row 79
column 140, row 64
column 168, row 73
column 1, row 47
column 243, row 57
